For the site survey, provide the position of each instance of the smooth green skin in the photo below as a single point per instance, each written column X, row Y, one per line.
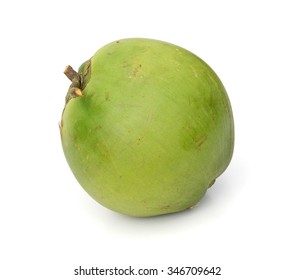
column 152, row 131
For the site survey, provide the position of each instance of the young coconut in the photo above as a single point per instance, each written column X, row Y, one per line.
column 147, row 127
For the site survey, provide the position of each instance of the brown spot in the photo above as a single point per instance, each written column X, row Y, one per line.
column 61, row 125
column 125, row 65
column 212, row 183
column 200, row 141
column 135, row 71
column 167, row 206
column 106, row 95
column 86, row 71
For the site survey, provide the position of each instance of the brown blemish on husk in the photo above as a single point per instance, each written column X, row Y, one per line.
column 200, row 141
column 60, row 124
column 85, row 75
column 136, row 70
column 106, row 96
column 211, row 184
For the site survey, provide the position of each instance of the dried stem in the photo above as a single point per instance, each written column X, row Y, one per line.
column 73, row 76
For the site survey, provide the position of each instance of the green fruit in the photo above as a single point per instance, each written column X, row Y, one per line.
column 147, row 127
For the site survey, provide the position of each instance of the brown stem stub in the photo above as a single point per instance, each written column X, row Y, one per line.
column 73, row 76
column 71, row 73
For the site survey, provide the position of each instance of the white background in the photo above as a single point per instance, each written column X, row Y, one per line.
column 50, row 226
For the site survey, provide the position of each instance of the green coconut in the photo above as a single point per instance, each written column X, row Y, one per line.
column 147, row 127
